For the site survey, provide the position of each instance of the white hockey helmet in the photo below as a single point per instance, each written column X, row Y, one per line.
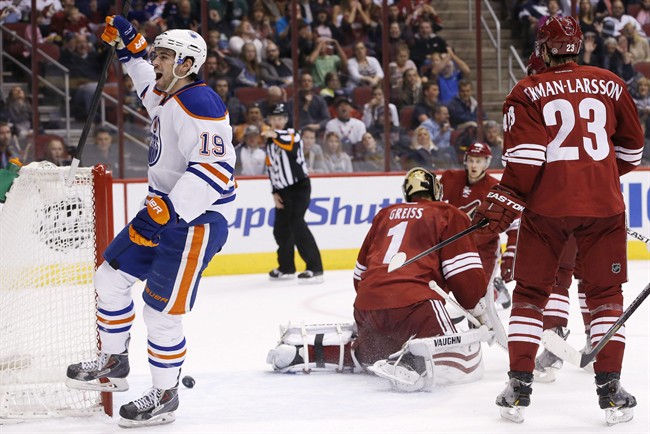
column 418, row 180
column 185, row 43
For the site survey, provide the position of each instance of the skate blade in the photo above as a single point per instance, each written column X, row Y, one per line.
column 282, row 278
column 513, row 414
column 311, row 280
column 407, row 382
column 161, row 419
column 379, row 370
column 549, row 375
column 112, row 385
column 614, row 416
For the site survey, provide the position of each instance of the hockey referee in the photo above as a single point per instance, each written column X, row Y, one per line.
column 291, row 193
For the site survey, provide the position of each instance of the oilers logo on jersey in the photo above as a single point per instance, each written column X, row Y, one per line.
column 155, row 144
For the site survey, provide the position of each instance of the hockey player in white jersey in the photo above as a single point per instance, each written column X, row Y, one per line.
column 183, row 224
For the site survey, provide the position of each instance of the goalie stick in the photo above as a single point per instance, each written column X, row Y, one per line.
column 93, row 105
column 558, row 346
column 399, row 259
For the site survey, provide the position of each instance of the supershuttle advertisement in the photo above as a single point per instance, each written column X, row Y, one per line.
column 341, row 210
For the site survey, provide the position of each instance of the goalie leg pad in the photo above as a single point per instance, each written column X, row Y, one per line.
column 436, row 361
column 314, row 348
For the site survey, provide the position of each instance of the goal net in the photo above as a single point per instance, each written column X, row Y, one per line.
column 51, row 238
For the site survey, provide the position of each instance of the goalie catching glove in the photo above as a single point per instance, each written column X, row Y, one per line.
column 501, row 206
column 128, row 42
column 148, row 224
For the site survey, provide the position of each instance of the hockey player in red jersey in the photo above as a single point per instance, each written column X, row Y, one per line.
column 569, row 134
column 465, row 189
column 556, row 311
column 398, row 312
column 391, row 308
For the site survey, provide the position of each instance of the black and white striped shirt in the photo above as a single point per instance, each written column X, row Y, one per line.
column 285, row 159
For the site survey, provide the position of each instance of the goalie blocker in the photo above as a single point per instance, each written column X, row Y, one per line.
column 420, row 365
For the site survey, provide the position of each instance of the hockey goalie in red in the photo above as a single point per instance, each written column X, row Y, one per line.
column 405, row 334
column 570, row 132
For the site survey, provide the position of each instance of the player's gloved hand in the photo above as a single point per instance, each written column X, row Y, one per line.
column 501, row 207
column 148, row 224
column 129, row 42
column 506, row 268
column 480, row 312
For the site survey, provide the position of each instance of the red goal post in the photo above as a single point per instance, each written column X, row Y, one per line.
column 51, row 241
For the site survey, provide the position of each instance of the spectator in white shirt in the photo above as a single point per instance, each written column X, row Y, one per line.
column 364, row 70
column 350, row 130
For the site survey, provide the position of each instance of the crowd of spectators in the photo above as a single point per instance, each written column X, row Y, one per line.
column 340, row 91
column 615, row 38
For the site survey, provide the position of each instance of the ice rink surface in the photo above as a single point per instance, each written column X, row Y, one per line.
column 235, row 322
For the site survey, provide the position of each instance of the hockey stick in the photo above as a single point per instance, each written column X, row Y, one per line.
column 93, row 105
column 638, row 236
column 558, row 346
column 399, row 259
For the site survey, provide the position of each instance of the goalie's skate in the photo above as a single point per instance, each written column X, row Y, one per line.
column 402, row 378
column 106, row 373
column 155, row 407
column 516, row 396
column 616, row 401
column 548, row 364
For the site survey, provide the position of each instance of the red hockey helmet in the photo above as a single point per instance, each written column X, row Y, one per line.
column 560, row 36
column 478, row 149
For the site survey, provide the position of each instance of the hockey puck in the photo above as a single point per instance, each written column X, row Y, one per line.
column 188, row 381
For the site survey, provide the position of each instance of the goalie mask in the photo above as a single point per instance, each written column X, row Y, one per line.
column 419, row 180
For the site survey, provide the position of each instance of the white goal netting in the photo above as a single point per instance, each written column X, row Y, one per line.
column 47, row 299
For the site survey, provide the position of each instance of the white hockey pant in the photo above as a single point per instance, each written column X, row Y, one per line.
column 314, row 348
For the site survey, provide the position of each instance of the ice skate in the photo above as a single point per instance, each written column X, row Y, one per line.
column 106, row 373
column 308, row 276
column 516, row 396
column 547, row 364
column 155, row 407
column 503, row 296
column 276, row 274
column 616, row 401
